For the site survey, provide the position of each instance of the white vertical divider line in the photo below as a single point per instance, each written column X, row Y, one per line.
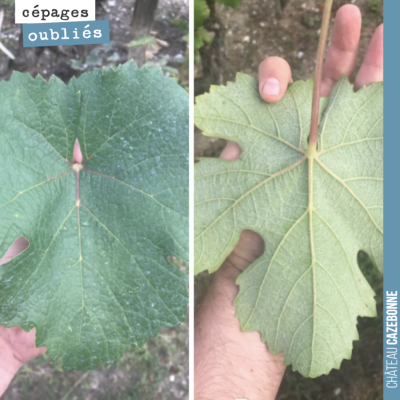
column 191, row 200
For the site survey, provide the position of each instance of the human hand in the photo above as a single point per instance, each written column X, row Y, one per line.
column 230, row 363
column 16, row 346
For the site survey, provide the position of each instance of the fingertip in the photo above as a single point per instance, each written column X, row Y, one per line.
column 347, row 28
column 342, row 53
column 350, row 11
column 371, row 69
column 274, row 75
column 271, row 87
column 15, row 249
column 231, row 152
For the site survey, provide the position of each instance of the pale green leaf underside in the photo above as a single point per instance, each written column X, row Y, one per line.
column 95, row 279
column 305, row 292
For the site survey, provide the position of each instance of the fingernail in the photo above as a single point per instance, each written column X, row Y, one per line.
column 271, row 87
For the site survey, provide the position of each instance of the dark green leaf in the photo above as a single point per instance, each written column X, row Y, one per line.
column 95, row 279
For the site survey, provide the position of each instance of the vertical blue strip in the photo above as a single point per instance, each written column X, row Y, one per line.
column 391, row 384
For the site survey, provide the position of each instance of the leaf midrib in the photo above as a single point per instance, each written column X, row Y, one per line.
column 310, row 210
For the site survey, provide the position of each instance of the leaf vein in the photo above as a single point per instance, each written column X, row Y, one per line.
column 251, row 190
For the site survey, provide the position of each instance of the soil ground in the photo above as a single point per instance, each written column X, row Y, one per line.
column 68, row 61
column 159, row 370
column 252, row 34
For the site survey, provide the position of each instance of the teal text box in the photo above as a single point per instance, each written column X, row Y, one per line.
column 66, row 33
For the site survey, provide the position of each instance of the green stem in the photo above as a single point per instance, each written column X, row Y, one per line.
column 312, row 140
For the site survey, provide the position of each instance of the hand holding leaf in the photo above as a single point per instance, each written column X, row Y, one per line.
column 245, row 200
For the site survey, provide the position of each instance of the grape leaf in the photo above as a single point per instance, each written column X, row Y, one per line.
column 314, row 212
column 201, row 13
column 95, row 279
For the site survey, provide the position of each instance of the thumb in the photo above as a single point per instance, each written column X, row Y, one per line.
column 249, row 247
column 274, row 75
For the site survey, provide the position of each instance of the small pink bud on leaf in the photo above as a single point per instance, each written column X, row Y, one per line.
column 77, row 154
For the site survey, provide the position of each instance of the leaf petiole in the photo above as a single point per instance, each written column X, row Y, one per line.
column 312, row 140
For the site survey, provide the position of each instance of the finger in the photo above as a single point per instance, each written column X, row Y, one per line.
column 372, row 67
column 16, row 248
column 31, row 339
column 249, row 247
column 231, row 152
column 342, row 53
column 23, row 344
column 274, row 74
